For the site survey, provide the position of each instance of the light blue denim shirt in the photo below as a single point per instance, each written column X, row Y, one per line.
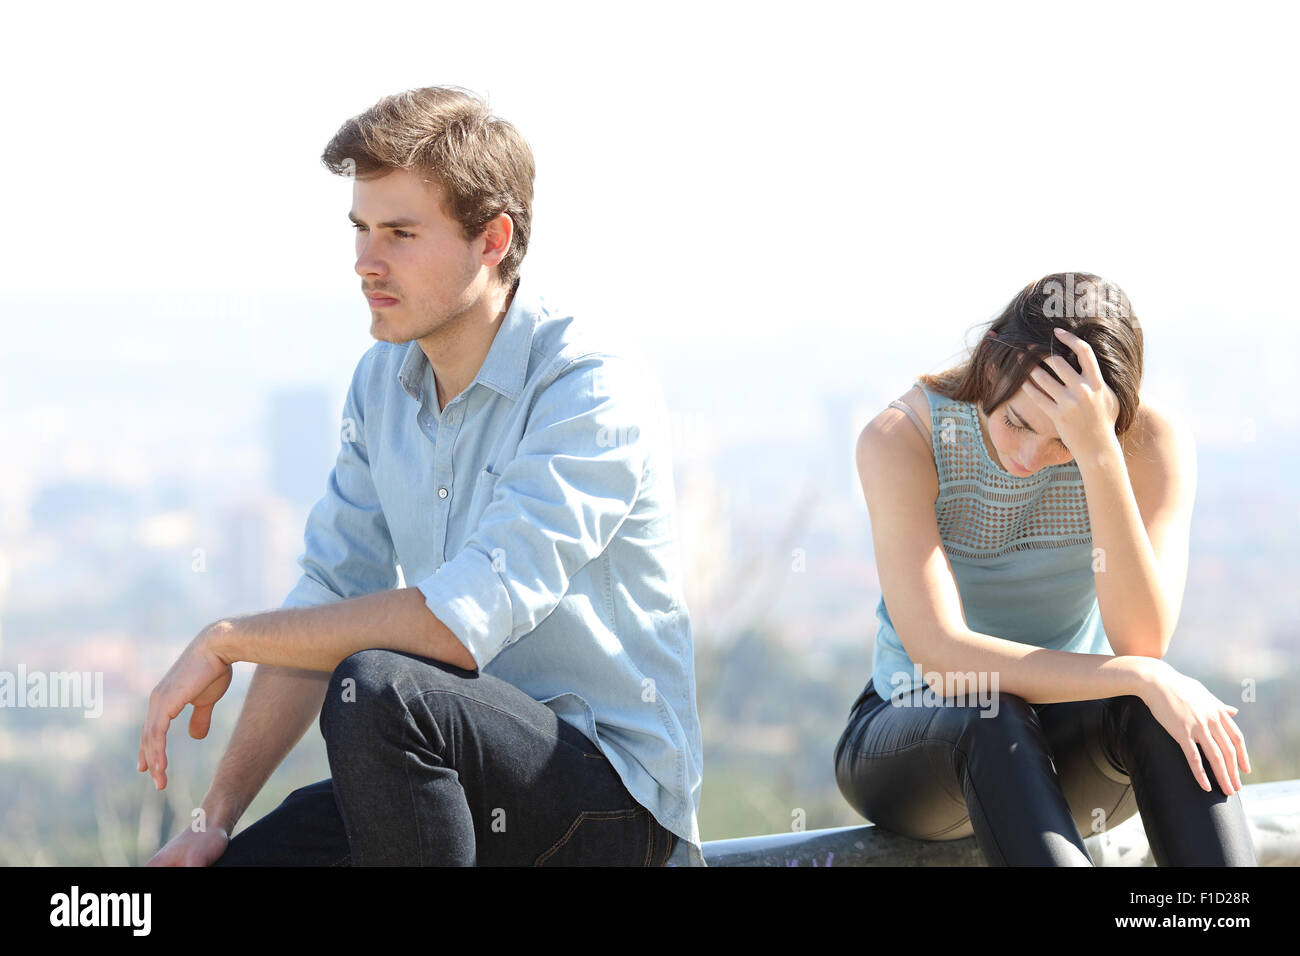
column 536, row 515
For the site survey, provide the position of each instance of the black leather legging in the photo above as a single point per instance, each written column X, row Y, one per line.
column 1028, row 779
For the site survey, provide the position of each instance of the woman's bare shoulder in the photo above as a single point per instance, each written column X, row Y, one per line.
column 915, row 398
column 1158, row 448
column 1153, row 426
column 894, row 440
column 892, row 419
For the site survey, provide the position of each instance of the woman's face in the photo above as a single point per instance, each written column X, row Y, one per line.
column 1023, row 437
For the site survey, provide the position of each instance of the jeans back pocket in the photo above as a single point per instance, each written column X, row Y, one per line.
column 630, row 837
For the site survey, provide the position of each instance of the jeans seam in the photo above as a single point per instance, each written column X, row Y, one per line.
column 1122, row 797
column 898, row 750
column 672, row 845
column 992, row 835
column 948, row 829
column 408, row 736
column 1114, row 732
column 573, row 828
column 406, row 702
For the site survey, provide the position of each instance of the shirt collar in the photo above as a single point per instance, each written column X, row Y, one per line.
column 506, row 364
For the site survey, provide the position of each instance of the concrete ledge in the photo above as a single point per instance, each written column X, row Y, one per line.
column 1273, row 810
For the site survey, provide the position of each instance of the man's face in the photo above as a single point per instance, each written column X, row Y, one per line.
column 411, row 252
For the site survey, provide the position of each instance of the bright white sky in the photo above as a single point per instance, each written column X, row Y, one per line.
column 804, row 177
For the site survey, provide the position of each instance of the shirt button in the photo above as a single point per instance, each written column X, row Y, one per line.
column 442, row 492
column 451, row 418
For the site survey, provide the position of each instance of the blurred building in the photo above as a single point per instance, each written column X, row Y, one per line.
column 257, row 560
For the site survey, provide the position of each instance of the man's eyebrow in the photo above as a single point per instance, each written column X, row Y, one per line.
column 391, row 224
column 1023, row 423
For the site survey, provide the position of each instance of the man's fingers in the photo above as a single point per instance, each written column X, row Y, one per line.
column 200, row 721
column 155, row 745
column 142, row 761
column 166, row 703
column 159, row 763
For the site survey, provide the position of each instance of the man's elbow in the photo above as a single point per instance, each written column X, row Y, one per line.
column 466, row 661
column 445, row 646
column 456, row 653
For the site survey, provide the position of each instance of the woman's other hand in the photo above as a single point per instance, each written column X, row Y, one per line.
column 1192, row 716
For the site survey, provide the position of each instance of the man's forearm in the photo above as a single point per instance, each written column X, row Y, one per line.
column 319, row 638
column 280, row 705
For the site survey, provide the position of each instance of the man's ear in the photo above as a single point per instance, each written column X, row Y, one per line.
column 496, row 238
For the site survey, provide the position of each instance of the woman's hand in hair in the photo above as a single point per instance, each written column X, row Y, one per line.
column 1083, row 409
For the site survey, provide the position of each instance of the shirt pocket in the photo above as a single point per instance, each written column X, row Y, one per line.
column 485, row 486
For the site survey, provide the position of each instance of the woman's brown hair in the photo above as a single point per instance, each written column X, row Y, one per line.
column 1017, row 341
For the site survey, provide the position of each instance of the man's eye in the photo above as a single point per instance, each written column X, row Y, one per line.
column 397, row 232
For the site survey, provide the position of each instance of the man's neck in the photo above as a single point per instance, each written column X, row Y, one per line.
column 457, row 352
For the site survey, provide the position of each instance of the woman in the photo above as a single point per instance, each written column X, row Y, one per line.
column 1030, row 524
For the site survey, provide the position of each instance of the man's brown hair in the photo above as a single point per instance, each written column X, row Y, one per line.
column 449, row 136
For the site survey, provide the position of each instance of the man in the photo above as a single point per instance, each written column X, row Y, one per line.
column 531, row 700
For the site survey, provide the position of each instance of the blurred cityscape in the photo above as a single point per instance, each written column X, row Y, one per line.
column 129, row 520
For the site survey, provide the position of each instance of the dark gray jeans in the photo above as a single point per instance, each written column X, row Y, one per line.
column 432, row 765
column 1028, row 779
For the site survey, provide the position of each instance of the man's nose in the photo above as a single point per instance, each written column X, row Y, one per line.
column 368, row 264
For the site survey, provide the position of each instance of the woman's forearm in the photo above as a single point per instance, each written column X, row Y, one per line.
column 1135, row 610
column 968, row 661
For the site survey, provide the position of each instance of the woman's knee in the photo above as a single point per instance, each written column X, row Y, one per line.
column 1005, row 717
column 1137, row 728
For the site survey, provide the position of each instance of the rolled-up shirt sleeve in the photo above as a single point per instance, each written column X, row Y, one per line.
column 557, row 505
column 348, row 550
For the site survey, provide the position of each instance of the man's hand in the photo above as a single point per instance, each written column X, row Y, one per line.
column 191, row 848
column 199, row 677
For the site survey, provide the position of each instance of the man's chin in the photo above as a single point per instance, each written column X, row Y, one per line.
column 383, row 331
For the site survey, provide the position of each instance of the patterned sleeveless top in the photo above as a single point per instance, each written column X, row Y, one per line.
column 1020, row 549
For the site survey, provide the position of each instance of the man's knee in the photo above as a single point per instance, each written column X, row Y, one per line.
column 358, row 683
column 366, row 683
